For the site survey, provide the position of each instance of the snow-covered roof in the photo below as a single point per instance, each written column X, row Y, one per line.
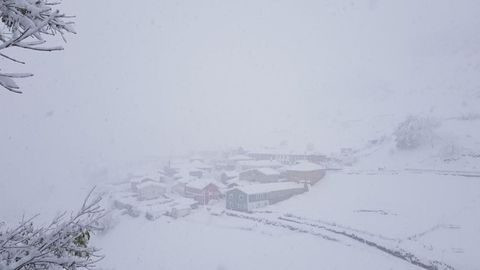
column 184, row 180
column 230, row 174
column 177, row 164
column 201, row 183
column 239, row 158
column 234, row 181
column 231, row 181
column 264, row 188
column 145, row 177
column 305, row 167
column 196, row 164
column 196, row 157
column 124, row 197
column 268, row 171
column 181, row 202
column 135, row 180
column 149, row 184
column 283, row 150
column 260, row 163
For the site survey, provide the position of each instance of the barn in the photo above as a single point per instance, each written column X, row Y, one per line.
column 262, row 175
column 305, row 172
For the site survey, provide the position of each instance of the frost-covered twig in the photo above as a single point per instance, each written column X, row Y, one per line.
column 24, row 22
column 63, row 244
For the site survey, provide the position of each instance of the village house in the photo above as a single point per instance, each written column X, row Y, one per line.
column 249, row 197
column 202, row 190
column 134, row 182
column 231, row 184
column 262, row 175
column 148, row 190
column 198, row 165
column 222, row 164
column 286, row 156
column 182, row 207
column 255, row 164
column 196, row 158
column 173, row 207
column 226, row 176
column 233, row 160
column 196, row 172
column 179, row 186
column 194, row 168
column 305, row 172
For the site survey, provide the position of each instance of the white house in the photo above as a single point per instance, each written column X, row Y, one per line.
column 149, row 190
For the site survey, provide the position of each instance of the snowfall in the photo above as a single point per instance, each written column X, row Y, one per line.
column 388, row 209
column 340, row 74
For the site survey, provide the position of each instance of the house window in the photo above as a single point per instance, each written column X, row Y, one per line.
column 240, row 196
column 230, row 196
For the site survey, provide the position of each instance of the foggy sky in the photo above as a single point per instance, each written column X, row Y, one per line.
column 162, row 77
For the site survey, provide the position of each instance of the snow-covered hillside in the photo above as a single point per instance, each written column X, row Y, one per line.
column 453, row 145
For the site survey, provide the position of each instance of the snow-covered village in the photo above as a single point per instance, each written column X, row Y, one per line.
column 235, row 135
column 273, row 193
column 235, row 180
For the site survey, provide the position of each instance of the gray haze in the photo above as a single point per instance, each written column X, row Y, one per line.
column 155, row 78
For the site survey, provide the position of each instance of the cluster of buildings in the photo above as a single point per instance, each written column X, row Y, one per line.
column 240, row 181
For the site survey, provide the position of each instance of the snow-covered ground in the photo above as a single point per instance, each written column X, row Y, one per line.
column 203, row 241
column 432, row 214
column 433, row 217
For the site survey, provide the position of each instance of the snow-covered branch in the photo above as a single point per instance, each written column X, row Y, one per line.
column 24, row 24
column 63, row 244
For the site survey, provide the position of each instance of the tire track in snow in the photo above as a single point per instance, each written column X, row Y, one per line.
column 286, row 222
column 398, row 253
column 281, row 225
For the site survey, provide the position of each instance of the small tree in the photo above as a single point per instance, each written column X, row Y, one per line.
column 63, row 244
column 24, row 25
column 413, row 132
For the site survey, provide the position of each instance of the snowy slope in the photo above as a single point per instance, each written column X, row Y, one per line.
column 455, row 145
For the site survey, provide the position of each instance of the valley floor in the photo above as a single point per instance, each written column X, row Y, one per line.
column 346, row 221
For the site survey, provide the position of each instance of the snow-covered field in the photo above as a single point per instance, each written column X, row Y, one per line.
column 432, row 214
column 205, row 242
column 433, row 217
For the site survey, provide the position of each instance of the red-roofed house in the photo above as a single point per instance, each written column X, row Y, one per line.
column 202, row 191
